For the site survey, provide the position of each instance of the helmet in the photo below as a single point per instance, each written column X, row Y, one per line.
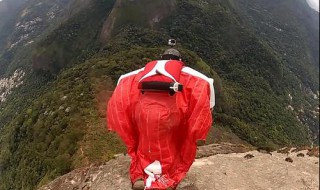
column 171, row 54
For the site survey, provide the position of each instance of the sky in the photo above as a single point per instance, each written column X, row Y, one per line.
column 314, row 4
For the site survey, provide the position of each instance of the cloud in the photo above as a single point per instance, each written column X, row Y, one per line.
column 314, row 4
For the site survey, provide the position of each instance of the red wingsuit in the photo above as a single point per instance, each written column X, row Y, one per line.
column 160, row 130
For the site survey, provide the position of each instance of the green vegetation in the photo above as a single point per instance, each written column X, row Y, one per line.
column 141, row 13
column 55, row 122
column 65, row 128
column 255, row 80
column 74, row 41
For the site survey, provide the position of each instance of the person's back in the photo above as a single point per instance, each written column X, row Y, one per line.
column 165, row 108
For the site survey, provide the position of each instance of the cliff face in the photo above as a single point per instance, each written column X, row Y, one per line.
column 219, row 166
column 135, row 12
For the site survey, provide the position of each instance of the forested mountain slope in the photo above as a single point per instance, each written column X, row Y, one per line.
column 60, row 60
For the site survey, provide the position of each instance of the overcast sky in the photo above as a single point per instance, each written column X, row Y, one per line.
column 314, row 4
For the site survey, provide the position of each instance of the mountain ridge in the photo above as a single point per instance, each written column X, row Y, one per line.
column 55, row 121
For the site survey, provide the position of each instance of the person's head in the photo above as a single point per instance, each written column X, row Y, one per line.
column 171, row 54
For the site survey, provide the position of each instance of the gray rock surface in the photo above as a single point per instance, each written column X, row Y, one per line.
column 217, row 167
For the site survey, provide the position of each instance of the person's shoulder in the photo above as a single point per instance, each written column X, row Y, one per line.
column 130, row 74
column 195, row 73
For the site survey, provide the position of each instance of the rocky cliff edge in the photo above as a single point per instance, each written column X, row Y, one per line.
column 217, row 167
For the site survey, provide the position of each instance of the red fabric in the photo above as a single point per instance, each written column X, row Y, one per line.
column 173, row 67
column 157, row 126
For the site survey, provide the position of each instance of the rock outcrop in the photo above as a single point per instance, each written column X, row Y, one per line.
column 217, row 167
column 147, row 13
column 8, row 84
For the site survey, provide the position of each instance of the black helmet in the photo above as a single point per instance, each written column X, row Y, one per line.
column 171, row 54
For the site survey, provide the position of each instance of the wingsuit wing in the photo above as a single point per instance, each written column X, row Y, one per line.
column 199, row 114
column 119, row 119
column 197, row 96
column 200, row 91
column 118, row 115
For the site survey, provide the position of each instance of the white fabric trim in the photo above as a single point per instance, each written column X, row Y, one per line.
column 188, row 70
column 159, row 68
column 152, row 170
column 129, row 74
column 193, row 72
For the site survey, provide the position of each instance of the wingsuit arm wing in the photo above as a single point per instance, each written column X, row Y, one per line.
column 119, row 119
column 199, row 116
column 119, row 115
column 198, row 122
